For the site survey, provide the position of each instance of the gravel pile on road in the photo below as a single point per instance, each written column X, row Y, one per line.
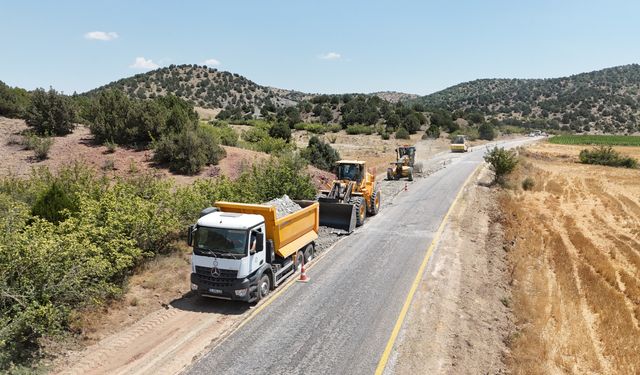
column 327, row 237
column 284, row 206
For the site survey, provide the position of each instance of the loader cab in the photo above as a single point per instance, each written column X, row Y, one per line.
column 409, row 152
column 350, row 170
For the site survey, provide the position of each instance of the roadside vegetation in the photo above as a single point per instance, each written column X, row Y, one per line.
column 606, row 155
column 70, row 241
column 610, row 140
column 502, row 162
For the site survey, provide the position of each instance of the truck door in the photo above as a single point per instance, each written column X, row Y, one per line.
column 257, row 251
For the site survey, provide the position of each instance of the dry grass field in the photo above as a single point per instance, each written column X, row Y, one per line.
column 574, row 251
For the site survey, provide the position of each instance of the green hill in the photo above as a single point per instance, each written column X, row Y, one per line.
column 607, row 100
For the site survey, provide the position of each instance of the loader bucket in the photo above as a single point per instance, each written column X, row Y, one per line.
column 337, row 215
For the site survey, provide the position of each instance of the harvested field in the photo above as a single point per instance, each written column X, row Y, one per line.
column 574, row 252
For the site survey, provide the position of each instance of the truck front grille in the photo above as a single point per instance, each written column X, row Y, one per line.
column 226, row 278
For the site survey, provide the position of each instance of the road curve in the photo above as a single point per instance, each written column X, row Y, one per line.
column 340, row 322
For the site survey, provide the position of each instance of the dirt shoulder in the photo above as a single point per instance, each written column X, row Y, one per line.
column 459, row 318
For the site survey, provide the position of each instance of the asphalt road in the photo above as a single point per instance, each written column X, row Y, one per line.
column 340, row 322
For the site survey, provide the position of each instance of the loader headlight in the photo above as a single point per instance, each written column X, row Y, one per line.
column 241, row 292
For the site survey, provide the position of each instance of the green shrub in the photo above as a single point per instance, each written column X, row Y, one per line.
column 280, row 130
column 51, row 205
column 320, row 154
column 433, row 131
column 224, row 133
column 255, row 134
column 189, row 151
column 501, row 162
column 51, row 113
column 606, row 155
column 272, row 145
column 402, row 133
column 13, row 101
column 486, row 131
column 39, row 145
column 359, row 129
column 111, row 146
column 385, row 136
column 528, row 183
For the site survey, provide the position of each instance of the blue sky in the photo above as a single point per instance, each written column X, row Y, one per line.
column 316, row 46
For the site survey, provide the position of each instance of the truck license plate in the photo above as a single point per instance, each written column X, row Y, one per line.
column 215, row 291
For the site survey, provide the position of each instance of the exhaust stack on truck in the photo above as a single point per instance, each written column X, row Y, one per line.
column 243, row 251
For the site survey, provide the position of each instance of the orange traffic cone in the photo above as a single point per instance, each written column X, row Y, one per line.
column 303, row 275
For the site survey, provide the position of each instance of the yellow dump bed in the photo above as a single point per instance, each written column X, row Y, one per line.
column 289, row 233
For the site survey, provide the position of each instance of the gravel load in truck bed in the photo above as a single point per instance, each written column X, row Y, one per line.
column 284, row 206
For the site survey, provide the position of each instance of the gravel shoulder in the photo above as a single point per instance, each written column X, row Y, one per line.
column 459, row 320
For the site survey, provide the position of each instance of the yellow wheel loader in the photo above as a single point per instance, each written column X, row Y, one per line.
column 404, row 164
column 352, row 197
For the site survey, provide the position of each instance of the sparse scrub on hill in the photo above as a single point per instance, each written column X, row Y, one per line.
column 320, row 154
column 606, row 155
column 433, row 131
column 402, row 133
column 280, row 130
column 486, row 132
column 501, row 162
column 225, row 133
column 39, row 145
column 116, row 118
column 69, row 241
column 51, row 113
column 189, row 151
column 359, row 129
column 13, row 101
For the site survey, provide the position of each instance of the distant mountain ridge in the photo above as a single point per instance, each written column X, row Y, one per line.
column 607, row 99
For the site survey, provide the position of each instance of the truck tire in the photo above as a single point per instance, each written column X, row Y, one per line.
column 298, row 260
column 361, row 209
column 374, row 205
column 264, row 287
column 309, row 253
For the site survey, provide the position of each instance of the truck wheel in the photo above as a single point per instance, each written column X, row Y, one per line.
column 264, row 286
column 374, row 205
column 298, row 260
column 309, row 253
column 361, row 209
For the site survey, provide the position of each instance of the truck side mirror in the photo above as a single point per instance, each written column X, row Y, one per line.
column 190, row 233
column 260, row 239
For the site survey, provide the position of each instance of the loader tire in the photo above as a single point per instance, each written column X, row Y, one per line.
column 361, row 209
column 390, row 174
column 410, row 174
column 374, row 205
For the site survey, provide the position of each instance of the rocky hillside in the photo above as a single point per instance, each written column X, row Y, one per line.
column 205, row 87
column 607, row 100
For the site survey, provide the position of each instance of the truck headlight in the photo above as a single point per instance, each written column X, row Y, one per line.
column 241, row 292
column 194, row 286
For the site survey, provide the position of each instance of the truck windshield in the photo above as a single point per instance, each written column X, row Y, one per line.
column 220, row 242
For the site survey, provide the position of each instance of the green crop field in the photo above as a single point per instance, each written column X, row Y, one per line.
column 610, row 140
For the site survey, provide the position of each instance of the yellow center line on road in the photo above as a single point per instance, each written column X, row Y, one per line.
column 382, row 364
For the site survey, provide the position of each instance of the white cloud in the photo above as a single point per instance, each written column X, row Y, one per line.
column 142, row 63
column 211, row 62
column 101, row 35
column 331, row 56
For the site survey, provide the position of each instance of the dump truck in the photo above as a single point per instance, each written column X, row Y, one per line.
column 352, row 197
column 404, row 164
column 460, row 144
column 243, row 251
